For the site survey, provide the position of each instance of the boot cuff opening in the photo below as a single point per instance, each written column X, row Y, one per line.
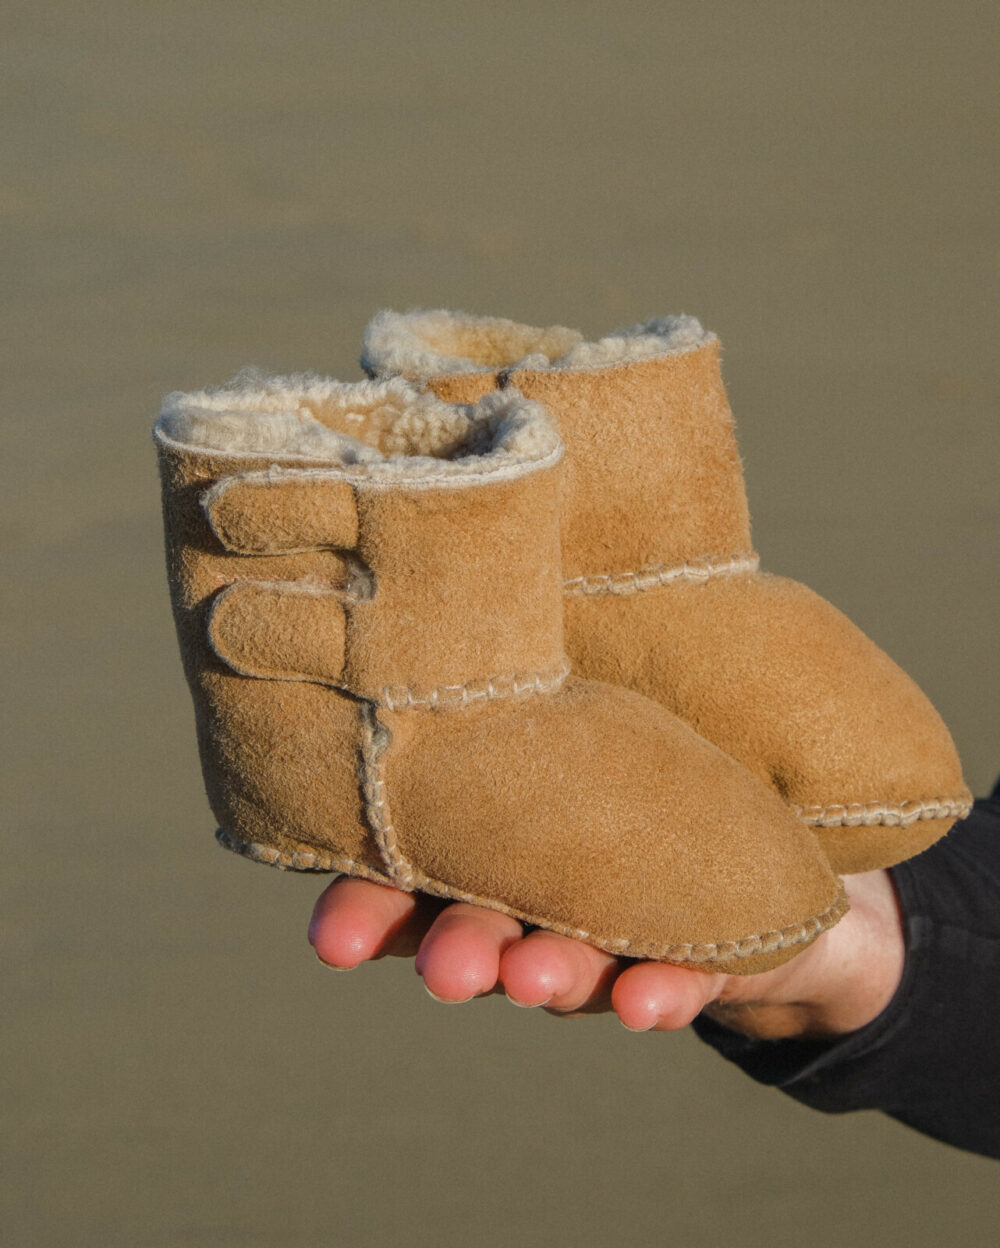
column 425, row 344
column 371, row 428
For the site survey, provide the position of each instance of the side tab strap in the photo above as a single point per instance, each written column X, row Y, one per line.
column 280, row 630
column 282, row 512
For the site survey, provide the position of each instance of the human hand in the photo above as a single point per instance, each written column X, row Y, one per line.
column 842, row 981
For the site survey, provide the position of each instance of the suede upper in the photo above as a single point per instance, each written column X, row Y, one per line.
column 662, row 589
column 486, row 588
column 368, row 590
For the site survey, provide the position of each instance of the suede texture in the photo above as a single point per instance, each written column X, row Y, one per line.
column 812, row 690
column 663, row 594
column 601, row 804
column 376, row 659
column 274, row 753
column 257, row 514
column 467, row 586
column 667, row 416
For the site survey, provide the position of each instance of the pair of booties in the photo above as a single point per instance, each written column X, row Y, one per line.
column 428, row 648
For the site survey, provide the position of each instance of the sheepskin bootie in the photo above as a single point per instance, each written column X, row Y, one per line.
column 663, row 592
column 368, row 595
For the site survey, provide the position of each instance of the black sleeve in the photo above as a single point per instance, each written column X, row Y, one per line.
column 932, row 1057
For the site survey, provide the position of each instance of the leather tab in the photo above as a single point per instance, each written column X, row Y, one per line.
column 279, row 631
column 266, row 514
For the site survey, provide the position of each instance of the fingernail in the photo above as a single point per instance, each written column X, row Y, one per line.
column 447, row 1000
column 329, row 966
column 648, row 1027
column 528, row 1005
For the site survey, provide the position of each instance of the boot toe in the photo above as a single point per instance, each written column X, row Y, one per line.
column 783, row 682
column 595, row 813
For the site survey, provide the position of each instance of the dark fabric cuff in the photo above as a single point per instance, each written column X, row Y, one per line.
column 932, row 1057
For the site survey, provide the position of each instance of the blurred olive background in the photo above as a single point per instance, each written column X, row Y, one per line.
column 193, row 186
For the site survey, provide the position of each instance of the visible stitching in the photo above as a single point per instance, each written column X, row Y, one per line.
column 410, row 878
column 767, row 942
column 720, row 951
column 374, row 740
column 314, row 860
column 403, row 697
column 402, row 874
column 699, row 570
column 381, row 474
column 871, row 814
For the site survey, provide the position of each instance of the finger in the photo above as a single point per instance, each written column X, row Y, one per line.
column 655, row 996
column 356, row 920
column 554, row 971
column 459, row 958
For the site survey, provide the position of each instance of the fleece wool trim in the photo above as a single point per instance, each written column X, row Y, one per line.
column 368, row 594
column 663, row 590
column 374, row 428
column 424, row 345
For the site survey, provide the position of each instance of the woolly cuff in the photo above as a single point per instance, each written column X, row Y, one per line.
column 368, row 428
column 422, row 345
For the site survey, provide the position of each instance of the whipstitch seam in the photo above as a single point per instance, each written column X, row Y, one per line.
column 403, row 697
column 409, row 877
column 402, row 874
column 380, row 475
column 719, row 951
column 874, row 813
column 625, row 583
column 373, row 784
column 297, row 860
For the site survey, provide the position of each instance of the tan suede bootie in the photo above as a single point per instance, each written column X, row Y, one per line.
column 368, row 595
column 663, row 592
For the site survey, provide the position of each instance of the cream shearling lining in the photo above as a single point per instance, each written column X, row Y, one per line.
column 422, row 345
column 369, row 428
